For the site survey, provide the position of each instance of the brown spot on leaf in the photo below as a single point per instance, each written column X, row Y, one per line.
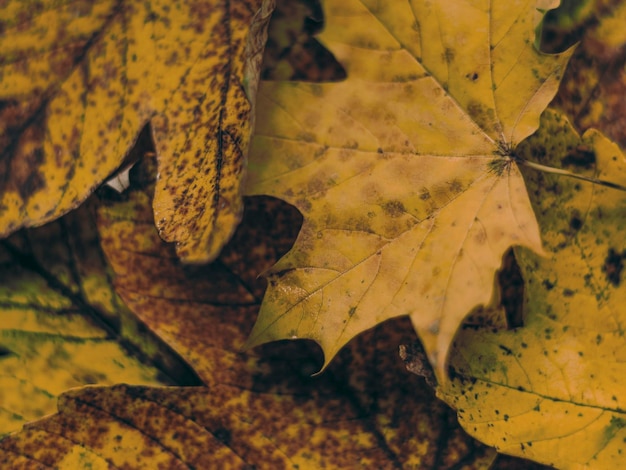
column 25, row 177
column 613, row 266
column 581, row 156
column 480, row 238
column 455, row 186
column 393, row 208
column 449, row 54
column 481, row 115
column 576, row 221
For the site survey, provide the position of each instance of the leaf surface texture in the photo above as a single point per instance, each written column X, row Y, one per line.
column 80, row 79
column 258, row 409
column 553, row 391
column 402, row 171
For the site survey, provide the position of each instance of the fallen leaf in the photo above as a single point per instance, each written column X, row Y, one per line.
column 162, row 292
column 553, row 391
column 321, row 424
column 80, row 79
column 261, row 408
column 63, row 326
column 403, row 171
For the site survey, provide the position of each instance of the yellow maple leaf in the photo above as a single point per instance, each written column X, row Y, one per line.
column 260, row 410
column 555, row 390
column 80, row 79
column 403, row 172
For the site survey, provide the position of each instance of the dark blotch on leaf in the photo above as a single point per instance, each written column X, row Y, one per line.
column 575, row 222
column 393, row 208
column 481, row 115
column 4, row 352
column 613, row 266
column 449, row 54
column 581, row 156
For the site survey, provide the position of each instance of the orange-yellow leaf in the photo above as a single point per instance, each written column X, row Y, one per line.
column 402, row 171
column 80, row 79
column 261, row 408
column 555, row 390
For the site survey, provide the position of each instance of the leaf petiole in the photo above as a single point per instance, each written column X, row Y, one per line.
column 558, row 171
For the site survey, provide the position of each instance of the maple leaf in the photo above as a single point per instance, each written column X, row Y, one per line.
column 553, row 391
column 403, row 172
column 80, row 79
column 256, row 409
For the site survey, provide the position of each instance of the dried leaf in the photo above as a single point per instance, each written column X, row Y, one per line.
column 402, row 172
column 80, row 79
column 332, row 423
column 553, row 391
column 262, row 409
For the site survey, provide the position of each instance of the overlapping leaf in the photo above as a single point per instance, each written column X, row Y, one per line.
column 401, row 171
column 256, row 410
column 80, row 79
column 553, row 391
column 62, row 325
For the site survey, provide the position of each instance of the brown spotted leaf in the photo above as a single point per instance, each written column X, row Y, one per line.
column 80, row 79
column 347, row 420
column 403, row 172
column 554, row 390
column 63, row 326
column 259, row 409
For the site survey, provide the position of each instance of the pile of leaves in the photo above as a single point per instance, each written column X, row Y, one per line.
column 403, row 179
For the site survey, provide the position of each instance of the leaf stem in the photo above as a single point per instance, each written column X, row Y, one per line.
column 558, row 171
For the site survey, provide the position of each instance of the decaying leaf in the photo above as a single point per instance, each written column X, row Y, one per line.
column 257, row 409
column 554, row 391
column 305, row 425
column 402, row 171
column 63, row 326
column 80, row 79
